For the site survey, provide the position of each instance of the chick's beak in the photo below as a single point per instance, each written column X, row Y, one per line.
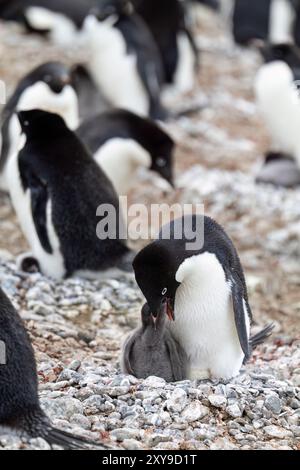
column 169, row 309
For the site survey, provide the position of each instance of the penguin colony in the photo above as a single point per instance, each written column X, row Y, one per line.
column 75, row 137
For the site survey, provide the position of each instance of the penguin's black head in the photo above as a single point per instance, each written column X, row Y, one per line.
column 107, row 8
column 155, row 271
column 154, row 140
column 54, row 74
column 288, row 53
column 39, row 123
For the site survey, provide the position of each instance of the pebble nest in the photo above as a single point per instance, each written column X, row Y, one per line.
column 77, row 326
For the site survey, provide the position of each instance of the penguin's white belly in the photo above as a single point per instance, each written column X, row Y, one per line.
column 115, row 71
column 281, row 22
column 14, row 136
column 204, row 322
column 120, row 159
column 185, row 70
column 52, row 264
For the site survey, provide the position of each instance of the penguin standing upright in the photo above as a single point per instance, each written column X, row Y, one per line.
column 194, row 275
column 124, row 60
column 63, row 201
column 266, row 20
column 279, row 104
column 151, row 350
column 60, row 20
column 122, row 142
column 167, row 22
column 19, row 405
column 48, row 87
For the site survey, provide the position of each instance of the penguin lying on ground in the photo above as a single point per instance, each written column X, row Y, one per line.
column 280, row 170
column 46, row 87
column 279, row 104
column 288, row 53
column 19, row 405
column 61, row 197
column 203, row 291
column 61, row 20
column 166, row 20
column 123, row 142
column 124, row 60
column 151, row 350
column 266, row 20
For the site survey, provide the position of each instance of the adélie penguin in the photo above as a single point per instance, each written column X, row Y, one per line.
column 123, row 142
column 152, row 350
column 19, row 405
column 60, row 20
column 279, row 170
column 278, row 102
column 67, row 207
column 124, row 60
column 175, row 40
column 203, row 292
column 288, row 53
column 47, row 87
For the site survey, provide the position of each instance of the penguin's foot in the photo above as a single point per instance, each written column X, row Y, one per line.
column 28, row 263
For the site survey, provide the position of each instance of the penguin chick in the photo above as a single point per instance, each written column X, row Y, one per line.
column 151, row 350
column 279, row 104
column 122, row 142
column 280, row 170
column 167, row 23
column 124, row 60
column 46, row 87
column 193, row 272
column 62, row 200
column 19, row 405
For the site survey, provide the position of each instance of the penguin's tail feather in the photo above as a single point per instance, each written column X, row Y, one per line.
column 261, row 336
column 36, row 424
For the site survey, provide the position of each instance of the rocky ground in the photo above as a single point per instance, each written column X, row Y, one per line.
column 77, row 326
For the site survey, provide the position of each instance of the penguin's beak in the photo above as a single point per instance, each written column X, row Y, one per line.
column 168, row 308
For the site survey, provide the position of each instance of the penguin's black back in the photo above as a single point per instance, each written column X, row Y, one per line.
column 120, row 123
column 165, row 19
column 251, row 20
column 18, row 377
column 64, row 169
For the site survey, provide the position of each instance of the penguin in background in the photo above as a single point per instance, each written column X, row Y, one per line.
column 288, row 53
column 151, row 350
column 67, row 207
column 59, row 20
column 193, row 274
column 167, row 22
column 123, row 142
column 20, row 409
column 124, row 60
column 280, row 170
column 48, row 87
column 265, row 20
column 278, row 102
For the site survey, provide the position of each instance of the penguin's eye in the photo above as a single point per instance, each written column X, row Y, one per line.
column 164, row 291
column 161, row 162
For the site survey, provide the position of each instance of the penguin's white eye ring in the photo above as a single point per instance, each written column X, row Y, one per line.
column 161, row 162
column 164, row 291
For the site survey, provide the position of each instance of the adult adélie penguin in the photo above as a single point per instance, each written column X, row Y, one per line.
column 193, row 273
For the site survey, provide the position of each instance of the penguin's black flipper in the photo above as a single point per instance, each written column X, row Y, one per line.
column 261, row 336
column 39, row 199
column 239, row 304
column 71, row 442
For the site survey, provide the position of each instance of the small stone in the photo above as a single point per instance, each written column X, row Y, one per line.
column 154, row 382
column 273, row 404
column 218, row 401
column 194, row 412
column 277, row 432
column 234, row 411
column 177, row 401
column 132, row 444
column 125, row 433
